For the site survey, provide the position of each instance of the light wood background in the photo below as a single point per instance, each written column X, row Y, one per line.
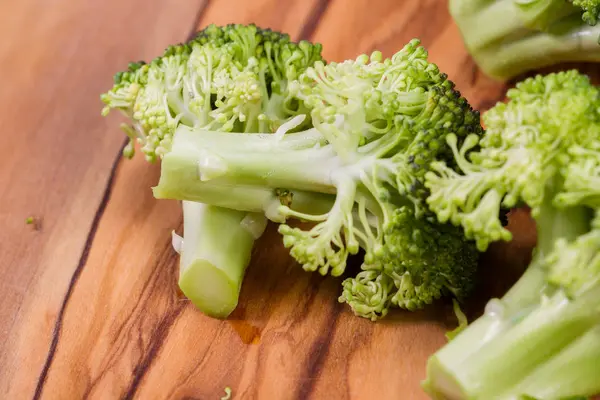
column 89, row 306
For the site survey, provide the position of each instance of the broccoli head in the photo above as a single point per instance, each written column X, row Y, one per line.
column 541, row 149
column 530, row 143
column 229, row 79
column 377, row 126
column 419, row 262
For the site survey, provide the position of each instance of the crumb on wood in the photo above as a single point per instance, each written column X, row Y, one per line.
column 34, row 222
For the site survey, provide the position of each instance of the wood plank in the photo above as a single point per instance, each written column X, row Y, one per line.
column 288, row 339
column 296, row 18
column 125, row 328
column 57, row 57
column 126, row 331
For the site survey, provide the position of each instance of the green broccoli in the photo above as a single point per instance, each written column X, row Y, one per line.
column 541, row 149
column 510, row 37
column 229, row 79
column 357, row 174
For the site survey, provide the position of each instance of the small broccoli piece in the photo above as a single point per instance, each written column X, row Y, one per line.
column 214, row 253
column 34, row 222
column 591, row 10
column 229, row 79
column 227, row 393
column 510, row 37
column 463, row 322
column 419, row 262
column 525, row 144
column 377, row 125
column 540, row 150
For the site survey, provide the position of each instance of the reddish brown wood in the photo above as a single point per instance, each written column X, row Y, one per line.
column 89, row 305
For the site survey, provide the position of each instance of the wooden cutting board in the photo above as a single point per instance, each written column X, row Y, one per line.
column 89, row 306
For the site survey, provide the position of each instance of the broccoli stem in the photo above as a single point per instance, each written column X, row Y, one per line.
column 486, row 18
column 551, row 224
column 540, row 50
column 519, row 333
column 255, row 199
column 247, row 160
column 506, row 49
column 214, row 256
column 572, row 372
column 244, row 171
column 498, row 368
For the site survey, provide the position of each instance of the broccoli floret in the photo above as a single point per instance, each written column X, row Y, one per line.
column 229, row 79
column 541, row 149
column 377, row 126
column 420, row 261
column 510, row 37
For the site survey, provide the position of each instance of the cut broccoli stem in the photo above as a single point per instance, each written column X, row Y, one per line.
column 509, row 58
column 572, row 372
column 517, row 330
column 526, row 38
column 528, row 344
column 214, row 256
column 469, row 16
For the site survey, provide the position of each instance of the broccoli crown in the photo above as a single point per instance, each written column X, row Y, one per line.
column 542, row 148
column 385, row 122
column 377, row 125
column 529, row 149
column 404, row 99
column 419, row 262
column 230, row 78
column 582, row 177
column 591, row 10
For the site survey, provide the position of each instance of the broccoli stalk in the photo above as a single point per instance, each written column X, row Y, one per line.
column 541, row 149
column 357, row 173
column 213, row 264
column 510, row 37
column 229, row 79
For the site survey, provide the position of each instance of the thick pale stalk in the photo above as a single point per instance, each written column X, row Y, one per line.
column 573, row 372
column 222, row 160
column 504, row 60
column 214, row 256
column 518, row 333
column 243, row 172
column 506, row 40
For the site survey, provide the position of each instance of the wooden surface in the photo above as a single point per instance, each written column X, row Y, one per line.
column 89, row 306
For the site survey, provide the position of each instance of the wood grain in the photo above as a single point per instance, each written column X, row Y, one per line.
column 56, row 58
column 89, row 305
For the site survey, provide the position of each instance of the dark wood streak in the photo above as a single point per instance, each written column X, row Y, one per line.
column 139, row 372
column 318, row 353
column 199, row 17
column 490, row 102
column 308, row 29
column 314, row 283
column 77, row 273
column 399, row 35
column 124, row 334
column 156, row 342
column 193, row 371
column 470, row 63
